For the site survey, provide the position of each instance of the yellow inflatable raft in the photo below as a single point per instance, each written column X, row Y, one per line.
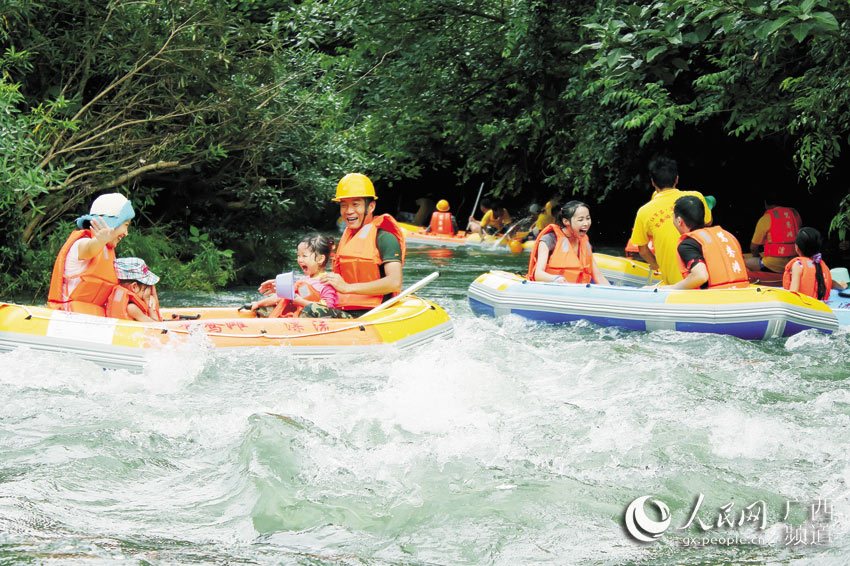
column 124, row 344
column 626, row 272
column 417, row 236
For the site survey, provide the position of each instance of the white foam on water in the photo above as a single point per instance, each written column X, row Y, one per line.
column 734, row 434
column 512, row 443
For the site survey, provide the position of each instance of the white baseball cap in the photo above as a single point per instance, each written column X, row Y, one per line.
column 112, row 208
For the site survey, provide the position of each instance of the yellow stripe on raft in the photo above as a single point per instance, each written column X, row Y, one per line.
column 752, row 294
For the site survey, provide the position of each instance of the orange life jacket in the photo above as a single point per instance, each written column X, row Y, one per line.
column 784, row 225
column 633, row 249
column 441, row 223
column 120, row 298
column 574, row 267
column 808, row 277
column 723, row 256
column 96, row 281
column 286, row 308
column 357, row 260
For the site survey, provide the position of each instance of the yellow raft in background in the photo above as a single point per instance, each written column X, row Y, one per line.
column 417, row 236
column 124, row 344
column 625, row 271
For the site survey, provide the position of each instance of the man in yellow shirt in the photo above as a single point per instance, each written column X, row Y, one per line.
column 654, row 220
column 548, row 216
column 495, row 218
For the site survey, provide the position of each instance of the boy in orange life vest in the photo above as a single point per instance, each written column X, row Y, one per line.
column 774, row 238
column 709, row 258
column 442, row 221
column 83, row 274
column 134, row 298
column 367, row 266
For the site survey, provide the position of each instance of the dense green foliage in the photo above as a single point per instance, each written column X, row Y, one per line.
column 239, row 116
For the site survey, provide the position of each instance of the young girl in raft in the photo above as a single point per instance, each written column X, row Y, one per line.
column 314, row 251
column 807, row 273
column 562, row 253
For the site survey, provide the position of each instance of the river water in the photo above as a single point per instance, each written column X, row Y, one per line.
column 510, row 444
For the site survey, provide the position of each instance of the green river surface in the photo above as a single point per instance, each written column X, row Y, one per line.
column 511, row 444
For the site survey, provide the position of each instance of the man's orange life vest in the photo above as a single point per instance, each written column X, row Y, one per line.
column 808, row 277
column 96, row 281
column 784, row 225
column 357, row 260
column 120, row 298
column 286, row 308
column 574, row 266
column 724, row 259
column 441, row 223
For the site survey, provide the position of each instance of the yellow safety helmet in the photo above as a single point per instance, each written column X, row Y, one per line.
column 443, row 205
column 355, row 185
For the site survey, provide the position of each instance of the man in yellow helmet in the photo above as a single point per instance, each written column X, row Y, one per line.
column 367, row 266
column 442, row 221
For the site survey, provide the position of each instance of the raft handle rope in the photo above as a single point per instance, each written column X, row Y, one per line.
column 175, row 316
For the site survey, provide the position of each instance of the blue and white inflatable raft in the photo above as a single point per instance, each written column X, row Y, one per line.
column 753, row 313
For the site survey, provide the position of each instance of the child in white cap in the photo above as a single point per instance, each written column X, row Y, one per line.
column 134, row 298
column 83, row 274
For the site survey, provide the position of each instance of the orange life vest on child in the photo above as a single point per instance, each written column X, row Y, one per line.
column 574, row 267
column 723, row 256
column 96, row 281
column 120, row 298
column 784, row 225
column 286, row 308
column 357, row 260
column 808, row 277
column 441, row 223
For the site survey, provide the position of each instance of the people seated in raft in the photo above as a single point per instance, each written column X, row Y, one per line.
column 486, row 208
column 313, row 253
column 807, row 273
column 772, row 244
column 367, row 267
column 654, row 220
column 442, row 221
column 84, row 273
column 562, row 252
column 495, row 219
column 134, row 298
column 709, row 257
